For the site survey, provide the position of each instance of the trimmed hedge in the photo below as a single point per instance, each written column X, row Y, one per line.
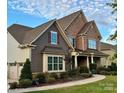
column 55, row 75
column 24, row 83
column 99, row 69
column 64, row 75
column 73, row 72
column 40, row 77
column 51, row 80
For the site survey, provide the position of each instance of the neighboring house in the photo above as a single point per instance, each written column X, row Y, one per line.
column 55, row 46
column 110, row 50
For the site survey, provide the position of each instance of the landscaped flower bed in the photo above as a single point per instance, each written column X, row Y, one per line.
column 43, row 79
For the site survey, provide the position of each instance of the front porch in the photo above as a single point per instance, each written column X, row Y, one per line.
column 85, row 58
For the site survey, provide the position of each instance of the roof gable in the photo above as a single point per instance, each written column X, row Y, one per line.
column 67, row 20
column 59, row 29
column 18, row 32
column 87, row 26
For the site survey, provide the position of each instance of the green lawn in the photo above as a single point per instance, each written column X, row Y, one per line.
column 108, row 85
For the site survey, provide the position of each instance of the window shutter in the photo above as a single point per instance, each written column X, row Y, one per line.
column 49, row 37
column 58, row 38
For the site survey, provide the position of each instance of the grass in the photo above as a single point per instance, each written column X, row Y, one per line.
column 108, row 85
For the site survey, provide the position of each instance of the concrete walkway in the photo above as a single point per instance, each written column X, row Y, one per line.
column 67, row 84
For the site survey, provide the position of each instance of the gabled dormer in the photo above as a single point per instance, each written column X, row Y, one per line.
column 88, row 37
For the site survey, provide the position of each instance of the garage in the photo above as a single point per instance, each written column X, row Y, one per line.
column 14, row 70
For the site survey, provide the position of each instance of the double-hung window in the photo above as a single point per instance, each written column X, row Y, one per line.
column 92, row 44
column 53, row 37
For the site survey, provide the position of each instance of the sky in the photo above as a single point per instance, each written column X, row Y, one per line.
column 36, row 12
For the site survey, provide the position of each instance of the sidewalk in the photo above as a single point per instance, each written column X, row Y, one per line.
column 67, row 84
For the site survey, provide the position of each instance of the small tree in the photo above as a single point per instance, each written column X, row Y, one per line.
column 26, row 71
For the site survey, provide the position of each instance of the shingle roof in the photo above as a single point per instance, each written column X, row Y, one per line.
column 33, row 33
column 53, row 49
column 65, row 21
column 96, row 53
column 25, row 35
column 18, row 31
column 106, row 46
column 85, row 27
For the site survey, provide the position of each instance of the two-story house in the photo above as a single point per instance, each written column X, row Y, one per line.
column 55, row 46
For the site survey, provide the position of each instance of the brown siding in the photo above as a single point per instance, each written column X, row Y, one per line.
column 41, row 42
column 75, row 26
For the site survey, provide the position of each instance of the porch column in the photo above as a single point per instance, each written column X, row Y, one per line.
column 92, row 58
column 87, row 61
column 45, row 67
column 75, row 61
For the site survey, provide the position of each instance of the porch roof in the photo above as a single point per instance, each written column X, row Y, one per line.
column 88, row 52
column 53, row 50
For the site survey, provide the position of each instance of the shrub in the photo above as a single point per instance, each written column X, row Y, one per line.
column 24, row 83
column 51, row 80
column 99, row 69
column 83, row 70
column 93, row 67
column 40, row 77
column 108, row 72
column 35, row 82
column 86, row 75
column 113, row 67
column 73, row 72
column 103, row 73
column 13, row 85
column 55, row 75
column 64, row 75
column 26, row 71
column 113, row 73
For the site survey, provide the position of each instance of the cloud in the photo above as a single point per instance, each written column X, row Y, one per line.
column 57, row 8
column 93, row 9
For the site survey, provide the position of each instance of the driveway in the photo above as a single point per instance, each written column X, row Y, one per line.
column 67, row 84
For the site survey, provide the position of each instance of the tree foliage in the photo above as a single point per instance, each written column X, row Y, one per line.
column 26, row 71
column 113, row 4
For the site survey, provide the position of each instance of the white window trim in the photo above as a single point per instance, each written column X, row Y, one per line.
column 95, row 43
column 51, row 37
column 45, row 63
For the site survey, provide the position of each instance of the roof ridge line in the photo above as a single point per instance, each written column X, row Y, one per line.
column 72, row 20
column 52, row 21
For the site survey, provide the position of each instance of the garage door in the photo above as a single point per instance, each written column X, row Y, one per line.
column 14, row 71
